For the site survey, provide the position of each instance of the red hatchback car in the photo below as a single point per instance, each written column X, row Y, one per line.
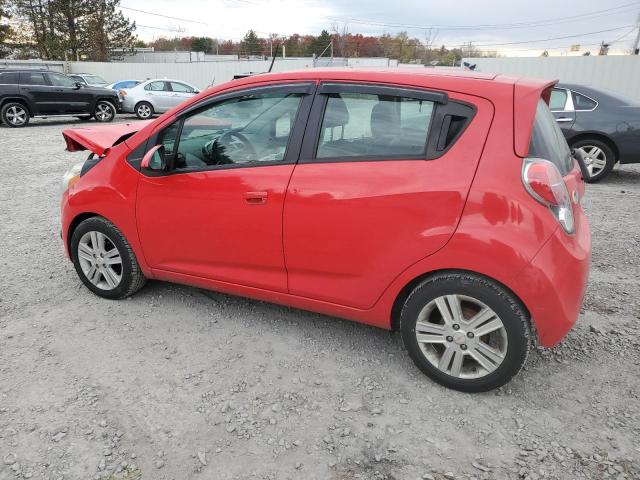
column 442, row 204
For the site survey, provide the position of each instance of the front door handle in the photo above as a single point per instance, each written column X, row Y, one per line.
column 255, row 198
column 564, row 119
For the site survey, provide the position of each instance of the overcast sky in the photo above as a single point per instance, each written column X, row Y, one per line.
column 490, row 19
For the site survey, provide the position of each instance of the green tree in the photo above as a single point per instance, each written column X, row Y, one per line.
column 5, row 29
column 251, row 44
column 202, row 44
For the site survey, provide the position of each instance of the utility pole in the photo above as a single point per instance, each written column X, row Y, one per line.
column 636, row 45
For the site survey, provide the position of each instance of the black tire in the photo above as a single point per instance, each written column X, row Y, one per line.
column 506, row 307
column 607, row 152
column 131, row 277
column 144, row 110
column 15, row 115
column 86, row 118
column 104, row 111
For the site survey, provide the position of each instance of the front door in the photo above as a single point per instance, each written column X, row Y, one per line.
column 70, row 98
column 216, row 212
column 180, row 93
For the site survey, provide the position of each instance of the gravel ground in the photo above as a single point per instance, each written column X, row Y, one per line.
column 179, row 383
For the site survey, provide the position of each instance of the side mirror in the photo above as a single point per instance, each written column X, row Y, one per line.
column 196, row 91
column 78, row 85
column 154, row 159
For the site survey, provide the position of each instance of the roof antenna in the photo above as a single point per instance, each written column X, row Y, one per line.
column 273, row 59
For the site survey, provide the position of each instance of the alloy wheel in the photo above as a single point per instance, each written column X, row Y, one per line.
column 16, row 115
column 104, row 112
column 144, row 111
column 594, row 158
column 100, row 260
column 461, row 336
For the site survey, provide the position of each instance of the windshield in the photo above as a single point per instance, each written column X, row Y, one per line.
column 547, row 140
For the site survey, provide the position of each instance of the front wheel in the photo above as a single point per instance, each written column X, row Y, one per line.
column 104, row 260
column 598, row 158
column 104, row 111
column 465, row 332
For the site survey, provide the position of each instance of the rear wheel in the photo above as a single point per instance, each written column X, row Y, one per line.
column 144, row 110
column 104, row 260
column 598, row 158
column 465, row 331
column 15, row 115
column 105, row 111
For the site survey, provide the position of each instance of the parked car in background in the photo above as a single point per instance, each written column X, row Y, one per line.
column 89, row 79
column 445, row 206
column 155, row 96
column 123, row 84
column 25, row 94
column 603, row 125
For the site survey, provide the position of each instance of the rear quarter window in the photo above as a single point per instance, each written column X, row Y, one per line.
column 547, row 140
column 9, row 78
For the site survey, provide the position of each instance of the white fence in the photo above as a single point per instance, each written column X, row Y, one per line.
column 620, row 73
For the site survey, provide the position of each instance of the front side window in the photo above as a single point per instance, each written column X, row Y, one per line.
column 244, row 130
column 368, row 125
column 95, row 79
column 181, row 87
column 58, row 80
column 558, row 100
column 30, row 78
column 155, row 86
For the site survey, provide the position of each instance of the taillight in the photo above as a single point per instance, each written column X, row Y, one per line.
column 544, row 182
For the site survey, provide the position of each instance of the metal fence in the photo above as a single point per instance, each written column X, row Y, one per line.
column 620, row 73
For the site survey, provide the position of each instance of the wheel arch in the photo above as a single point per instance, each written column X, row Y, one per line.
column 602, row 137
column 77, row 220
column 21, row 100
column 404, row 293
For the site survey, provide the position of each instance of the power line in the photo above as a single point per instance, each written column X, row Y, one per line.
column 536, row 23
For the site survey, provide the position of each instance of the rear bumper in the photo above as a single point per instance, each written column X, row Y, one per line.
column 552, row 286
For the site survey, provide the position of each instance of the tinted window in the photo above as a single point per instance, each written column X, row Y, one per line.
column 244, row 130
column 59, row 80
column 580, row 102
column 547, row 140
column 366, row 125
column 181, row 87
column 558, row 99
column 9, row 78
column 32, row 78
column 155, row 86
column 78, row 79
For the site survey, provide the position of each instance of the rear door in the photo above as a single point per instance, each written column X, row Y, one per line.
column 381, row 183
column 34, row 85
column 561, row 105
column 160, row 95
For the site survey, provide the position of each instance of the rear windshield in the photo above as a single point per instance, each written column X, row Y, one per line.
column 547, row 140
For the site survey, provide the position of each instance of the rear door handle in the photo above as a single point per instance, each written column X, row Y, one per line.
column 255, row 198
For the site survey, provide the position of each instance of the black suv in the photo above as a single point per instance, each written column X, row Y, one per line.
column 41, row 93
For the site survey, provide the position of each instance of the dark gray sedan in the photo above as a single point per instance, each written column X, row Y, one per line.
column 605, row 126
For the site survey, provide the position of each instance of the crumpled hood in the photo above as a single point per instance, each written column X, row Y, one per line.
column 100, row 138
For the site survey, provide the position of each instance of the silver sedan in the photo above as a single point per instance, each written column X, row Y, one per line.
column 155, row 96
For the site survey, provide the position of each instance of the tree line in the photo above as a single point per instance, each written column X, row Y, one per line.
column 64, row 29
column 97, row 30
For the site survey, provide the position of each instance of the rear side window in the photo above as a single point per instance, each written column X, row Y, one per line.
column 155, row 86
column 558, row 99
column 9, row 78
column 580, row 102
column 32, row 78
column 368, row 125
column 547, row 140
